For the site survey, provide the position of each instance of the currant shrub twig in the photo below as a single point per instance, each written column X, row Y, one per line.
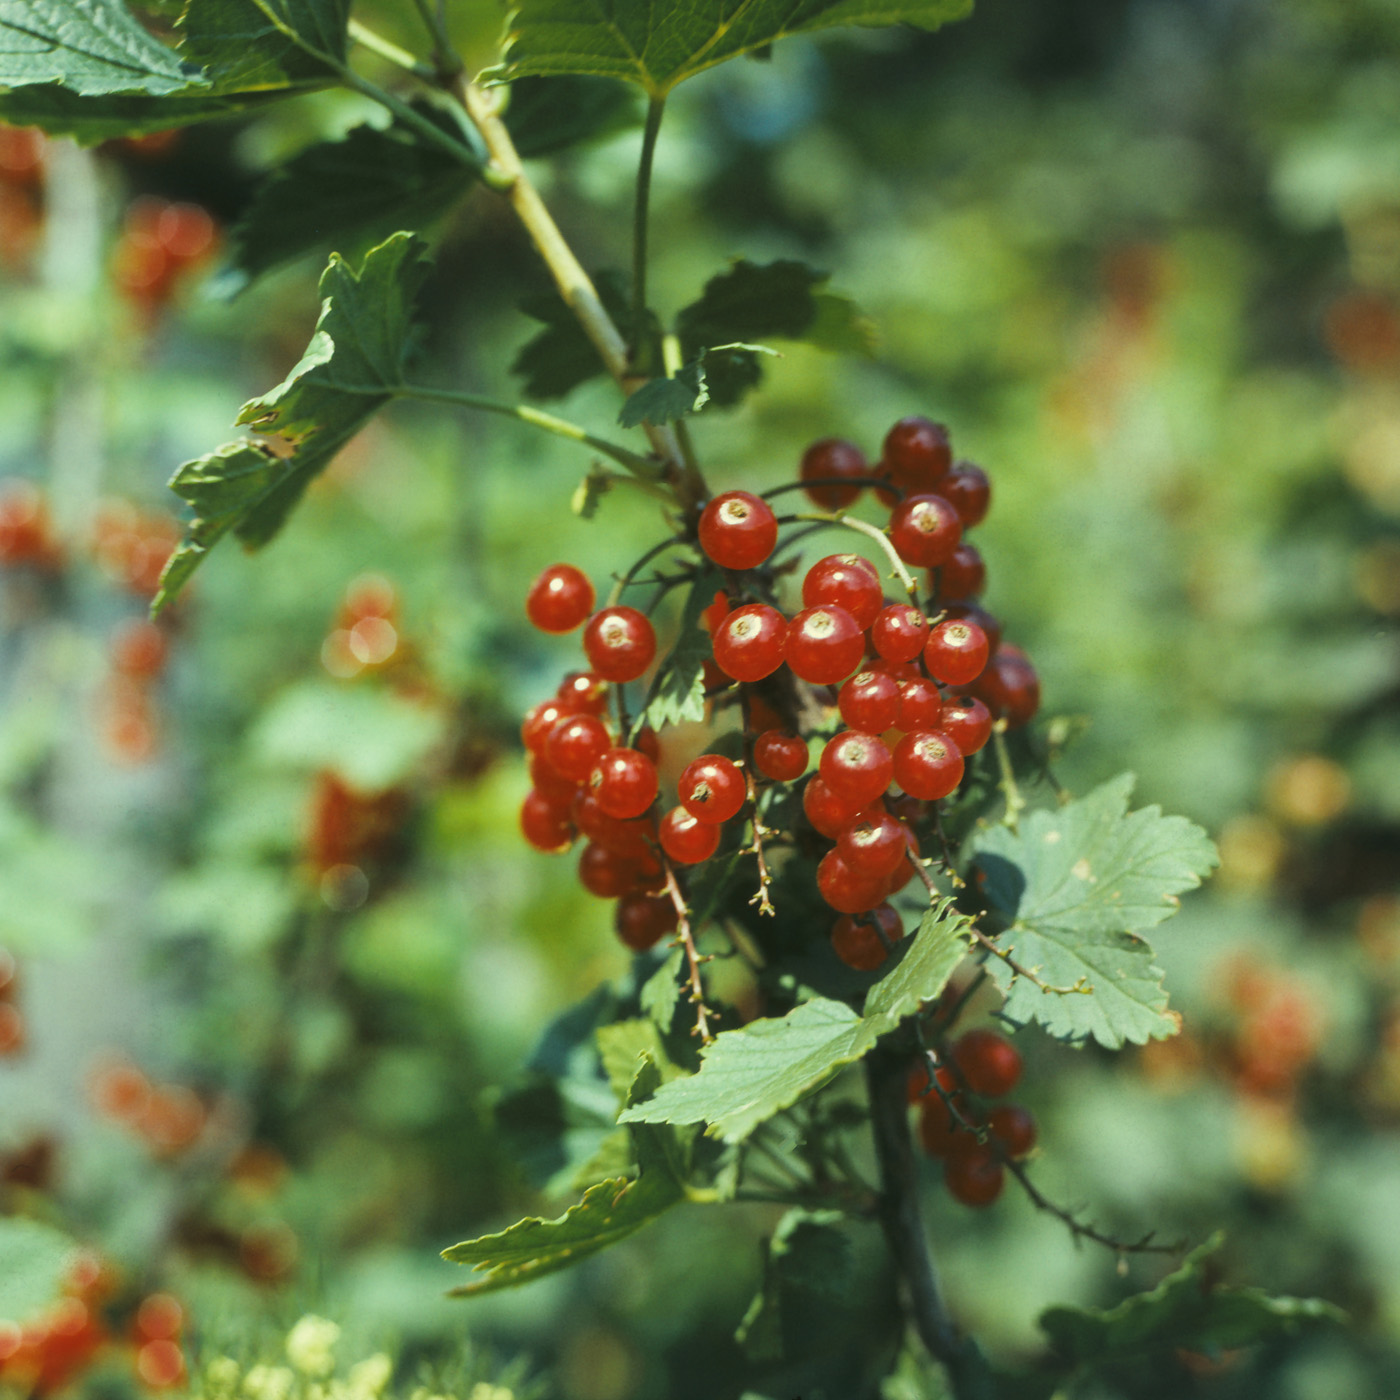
column 831, row 481
column 655, row 108
column 765, row 878
column 949, row 868
column 624, row 581
column 448, row 60
column 1015, row 802
column 685, row 937
column 363, row 35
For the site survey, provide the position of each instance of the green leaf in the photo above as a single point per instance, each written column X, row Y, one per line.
column 755, row 302
column 677, row 693
column 1076, row 885
column 624, row 1044
column 662, row 990
column 34, row 1261
column 546, row 115
column 1187, row 1309
column 807, row 1262
column 89, row 119
column 350, row 369
column 664, row 400
column 561, row 357
column 658, row 46
column 247, row 45
column 748, row 1075
column 350, row 193
column 609, row 1212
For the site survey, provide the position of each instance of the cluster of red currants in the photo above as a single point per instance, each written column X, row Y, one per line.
column 972, row 1144
column 45, row 1353
column 920, row 688
column 160, row 245
column 169, row 1118
column 21, row 193
column 12, row 1034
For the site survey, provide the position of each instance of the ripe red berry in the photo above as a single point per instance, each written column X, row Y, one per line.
column 560, row 599
column 917, row 453
column 1013, row 1127
column 856, row 766
column 1009, row 686
column 630, row 838
column 575, row 744
column 904, row 872
column 899, row 632
column 829, row 461
column 687, row 840
column 828, row 811
column 956, row 652
column 940, row 1134
column 749, row 642
column 974, row 612
column 780, row 756
column 583, row 691
column 624, row 783
column 989, row 1063
column 713, row 615
column 927, row 765
column 925, row 530
column 605, row 873
column 12, row 1029
column 920, row 705
column 546, row 779
column 963, row 575
column 869, row 701
column 540, row 719
column 620, row 643
column 642, row 920
column 873, row 844
column 711, row 788
column 855, row 940
column 967, row 722
column 139, row 649
column 738, row 530
column 546, row 825
column 974, row 1177
column 823, row 644
column 848, row 580
column 847, row 890
column 968, row 491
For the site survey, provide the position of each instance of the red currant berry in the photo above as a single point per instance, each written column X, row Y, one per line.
column 974, row 612
column 540, row 720
column 823, row 644
column 584, row 692
column 738, row 530
column 780, row 756
column 712, row 789
column 904, row 871
column 956, row 653
column 873, row 844
column 964, row 575
column 648, row 742
column 624, row 783
column 917, row 453
column 848, row 580
column 847, row 890
column 545, row 779
column 826, row 809
column 713, row 615
column 632, row 839
column 749, row 642
column 899, row 632
column 940, row 1134
column 620, row 643
column 920, row 704
column 575, row 744
column 968, row 491
column 560, row 599
column 974, row 1177
column 686, row 839
column 869, row 701
column 967, row 722
column 642, row 920
column 546, row 825
column 989, row 1063
column 925, row 530
column 927, row 765
column 856, row 941
column 830, row 461
column 1009, row 686
column 856, row 766
column 1014, row 1129
column 605, row 873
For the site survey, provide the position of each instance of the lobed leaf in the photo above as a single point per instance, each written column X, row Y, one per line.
column 248, row 45
column 560, row 357
column 1075, row 886
column 1187, row 1309
column 665, row 400
column 807, row 1261
column 748, row 1075
column 350, row 369
column 546, row 115
column 658, row 46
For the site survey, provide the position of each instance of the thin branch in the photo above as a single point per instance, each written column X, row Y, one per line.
column 625, row 580
column 655, row 108
column 765, row 878
column 685, row 937
column 1015, row 803
column 897, row 566
column 363, row 35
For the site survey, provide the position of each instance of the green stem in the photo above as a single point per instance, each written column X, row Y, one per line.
column 655, row 108
column 880, row 538
column 408, row 115
column 449, row 61
column 386, row 49
column 639, row 466
column 1015, row 803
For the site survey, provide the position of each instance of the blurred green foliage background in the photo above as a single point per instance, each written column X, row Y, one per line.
column 1143, row 259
